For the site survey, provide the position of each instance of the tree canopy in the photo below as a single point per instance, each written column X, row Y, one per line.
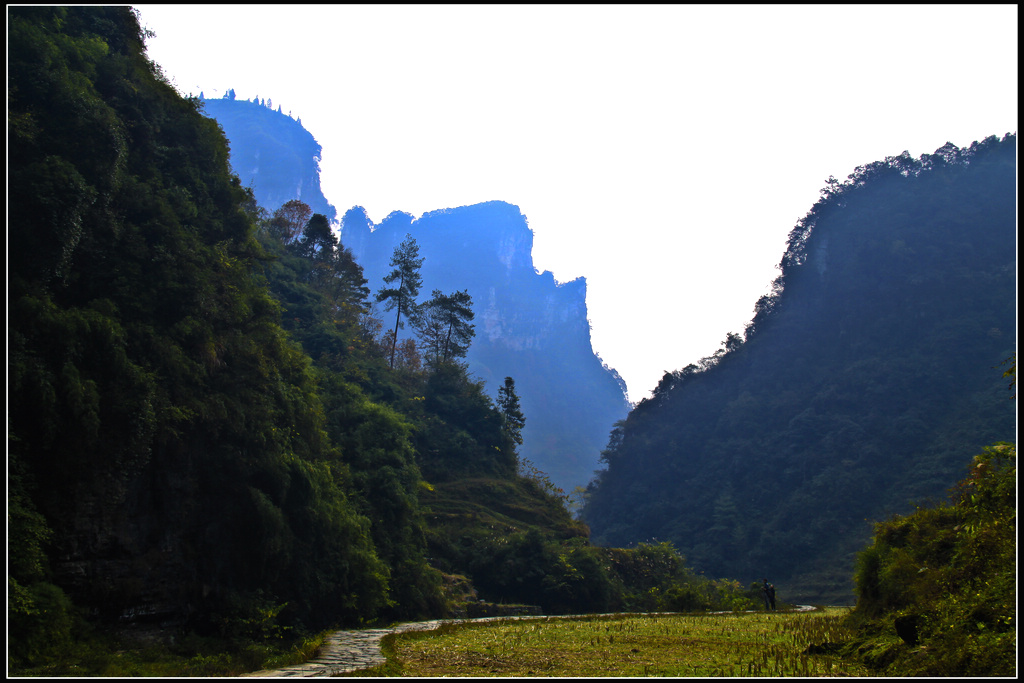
column 443, row 325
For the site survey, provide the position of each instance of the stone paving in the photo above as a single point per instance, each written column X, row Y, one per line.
column 348, row 651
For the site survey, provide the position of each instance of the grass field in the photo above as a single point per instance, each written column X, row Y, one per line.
column 742, row 644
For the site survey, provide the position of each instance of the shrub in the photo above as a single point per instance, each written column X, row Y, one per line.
column 944, row 579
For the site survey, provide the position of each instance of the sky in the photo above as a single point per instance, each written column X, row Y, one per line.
column 664, row 152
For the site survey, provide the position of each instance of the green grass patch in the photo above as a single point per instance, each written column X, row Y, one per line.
column 109, row 656
column 744, row 644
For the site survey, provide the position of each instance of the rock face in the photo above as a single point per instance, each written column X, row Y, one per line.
column 271, row 153
column 528, row 326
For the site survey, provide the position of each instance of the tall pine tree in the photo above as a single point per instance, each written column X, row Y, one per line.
column 401, row 297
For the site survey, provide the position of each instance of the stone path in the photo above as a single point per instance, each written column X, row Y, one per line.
column 348, row 651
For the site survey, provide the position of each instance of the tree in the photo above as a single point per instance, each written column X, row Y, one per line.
column 289, row 221
column 402, row 298
column 334, row 271
column 732, row 342
column 408, row 356
column 511, row 415
column 318, row 242
column 444, row 326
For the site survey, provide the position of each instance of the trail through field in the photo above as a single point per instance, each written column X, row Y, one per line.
column 356, row 650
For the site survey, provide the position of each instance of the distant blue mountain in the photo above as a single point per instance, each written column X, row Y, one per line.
column 528, row 326
column 271, row 153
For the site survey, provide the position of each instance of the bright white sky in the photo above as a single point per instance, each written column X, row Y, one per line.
column 664, row 152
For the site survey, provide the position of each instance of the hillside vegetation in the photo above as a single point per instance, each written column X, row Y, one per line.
column 937, row 588
column 862, row 385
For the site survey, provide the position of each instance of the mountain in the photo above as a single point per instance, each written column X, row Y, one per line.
column 865, row 382
column 528, row 326
column 271, row 153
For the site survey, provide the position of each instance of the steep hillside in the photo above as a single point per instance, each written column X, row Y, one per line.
column 527, row 326
column 166, row 435
column 937, row 589
column 201, row 437
column 866, row 381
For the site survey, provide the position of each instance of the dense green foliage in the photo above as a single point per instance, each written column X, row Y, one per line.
column 170, row 435
column 936, row 590
column 206, row 440
column 858, row 388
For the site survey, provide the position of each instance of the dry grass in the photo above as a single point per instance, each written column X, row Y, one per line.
column 747, row 644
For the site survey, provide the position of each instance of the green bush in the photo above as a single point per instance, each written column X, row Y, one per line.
column 41, row 622
column 950, row 571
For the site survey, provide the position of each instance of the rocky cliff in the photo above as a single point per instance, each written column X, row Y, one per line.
column 271, row 153
column 528, row 326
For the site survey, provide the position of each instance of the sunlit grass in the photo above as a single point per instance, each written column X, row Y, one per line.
column 745, row 644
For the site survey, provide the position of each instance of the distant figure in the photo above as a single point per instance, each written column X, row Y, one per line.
column 764, row 593
column 771, row 594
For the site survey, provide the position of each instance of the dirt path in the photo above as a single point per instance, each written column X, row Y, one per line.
column 348, row 651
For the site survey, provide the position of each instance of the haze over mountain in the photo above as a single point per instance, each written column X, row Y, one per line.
column 866, row 381
column 528, row 326
column 271, row 153
column 210, row 453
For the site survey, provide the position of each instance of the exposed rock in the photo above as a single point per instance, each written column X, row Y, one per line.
column 271, row 153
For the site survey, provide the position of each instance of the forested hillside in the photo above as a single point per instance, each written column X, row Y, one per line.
column 176, row 453
column 865, row 381
column 167, row 438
